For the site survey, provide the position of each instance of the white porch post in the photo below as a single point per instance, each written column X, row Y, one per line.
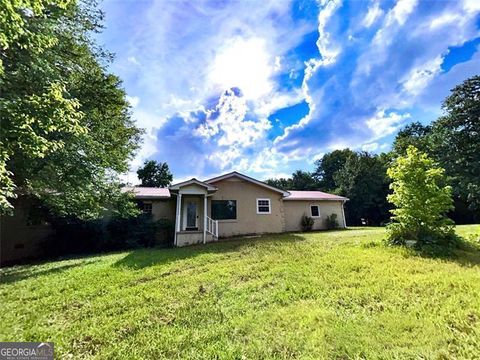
column 343, row 213
column 204, row 218
column 177, row 216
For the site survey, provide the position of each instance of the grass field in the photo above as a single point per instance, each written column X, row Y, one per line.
column 339, row 294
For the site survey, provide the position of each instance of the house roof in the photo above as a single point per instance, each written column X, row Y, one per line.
column 313, row 195
column 206, row 185
column 148, row 192
column 246, row 178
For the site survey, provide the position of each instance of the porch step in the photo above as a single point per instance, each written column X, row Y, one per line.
column 185, row 238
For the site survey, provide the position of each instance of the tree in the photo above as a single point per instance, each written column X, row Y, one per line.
column 66, row 127
column 280, row 183
column 328, row 166
column 456, row 143
column 414, row 134
column 303, row 180
column 421, row 200
column 364, row 181
column 155, row 174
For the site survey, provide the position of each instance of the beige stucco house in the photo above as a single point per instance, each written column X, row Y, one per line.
column 235, row 204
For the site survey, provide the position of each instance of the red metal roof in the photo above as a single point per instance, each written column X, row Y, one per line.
column 149, row 192
column 312, row 195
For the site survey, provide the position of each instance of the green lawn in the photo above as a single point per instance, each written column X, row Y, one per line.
column 337, row 294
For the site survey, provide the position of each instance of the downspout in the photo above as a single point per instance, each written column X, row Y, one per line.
column 343, row 212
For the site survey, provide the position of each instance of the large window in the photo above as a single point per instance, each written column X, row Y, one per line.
column 224, row 209
column 315, row 211
column 263, row 206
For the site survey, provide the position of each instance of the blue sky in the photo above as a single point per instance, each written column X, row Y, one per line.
column 267, row 87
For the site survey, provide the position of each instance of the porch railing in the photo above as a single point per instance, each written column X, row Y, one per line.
column 212, row 227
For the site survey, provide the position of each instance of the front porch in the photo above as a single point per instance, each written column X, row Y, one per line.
column 192, row 224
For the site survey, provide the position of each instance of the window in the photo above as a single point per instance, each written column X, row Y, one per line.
column 263, row 206
column 224, row 209
column 315, row 211
column 147, row 208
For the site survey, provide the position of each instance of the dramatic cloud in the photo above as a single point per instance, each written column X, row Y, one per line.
column 223, row 86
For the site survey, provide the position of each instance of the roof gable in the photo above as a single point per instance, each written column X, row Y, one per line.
column 194, row 181
column 246, row 178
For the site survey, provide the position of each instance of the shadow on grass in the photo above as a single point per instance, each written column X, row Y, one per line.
column 464, row 253
column 143, row 258
column 17, row 273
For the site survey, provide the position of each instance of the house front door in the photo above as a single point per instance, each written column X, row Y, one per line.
column 192, row 215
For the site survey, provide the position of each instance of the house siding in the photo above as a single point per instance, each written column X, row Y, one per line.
column 295, row 209
column 248, row 221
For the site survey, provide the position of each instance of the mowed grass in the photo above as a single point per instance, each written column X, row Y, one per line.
column 339, row 294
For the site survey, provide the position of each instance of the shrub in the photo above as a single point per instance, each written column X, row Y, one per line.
column 307, row 223
column 73, row 235
column 421, row 200
column 331, row 222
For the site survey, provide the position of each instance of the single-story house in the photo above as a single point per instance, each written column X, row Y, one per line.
column 235, row 204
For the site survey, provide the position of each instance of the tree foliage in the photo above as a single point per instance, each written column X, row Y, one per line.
column 300, row 180
column 453, row 142
column 328, row 166
column 364, row 181
column 155, row 174
column 421, row 199
column 66, row 127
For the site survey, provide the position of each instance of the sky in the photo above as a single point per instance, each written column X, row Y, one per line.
column 267, row 87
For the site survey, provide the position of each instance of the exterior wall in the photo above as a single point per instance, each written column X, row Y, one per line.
column 18, row 239
column 248, row 221
column 163, row 209
column 295, row 209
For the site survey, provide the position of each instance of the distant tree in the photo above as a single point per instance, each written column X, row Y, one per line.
column 456, row 141
column 421, row 199
column 303, row 180
column 280, row 183
column 300, row 180
column 414, row 134
column 364, row 181
column 328, row 166
column 155, row 174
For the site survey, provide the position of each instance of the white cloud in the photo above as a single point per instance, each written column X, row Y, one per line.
column 133, row 100
column 246, row 64
column 420, row 77
column 373, row 14
column 133, row 60
column 383, row 124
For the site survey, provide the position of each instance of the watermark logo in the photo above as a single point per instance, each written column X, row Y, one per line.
column 26, row 351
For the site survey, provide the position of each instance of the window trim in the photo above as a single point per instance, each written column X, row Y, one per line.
column 230, row 219
column 269, row 206
column 311, row 213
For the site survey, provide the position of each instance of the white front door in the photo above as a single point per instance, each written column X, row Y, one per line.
column 190, row 214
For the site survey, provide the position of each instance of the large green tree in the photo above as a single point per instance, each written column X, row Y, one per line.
column 421, row 200
column 453, row 141
column 456, row 141
column 364, row 181
column 155, row 174
column 66, row 131
column 328, row 166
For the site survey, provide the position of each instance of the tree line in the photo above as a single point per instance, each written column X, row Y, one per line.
column 452, row 141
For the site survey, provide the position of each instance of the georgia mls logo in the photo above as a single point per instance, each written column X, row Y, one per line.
column 26, row 351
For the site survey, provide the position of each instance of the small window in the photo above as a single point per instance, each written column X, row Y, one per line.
column 315, row 211
column 147, row 208
column 263, row 206
column 224, row 209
